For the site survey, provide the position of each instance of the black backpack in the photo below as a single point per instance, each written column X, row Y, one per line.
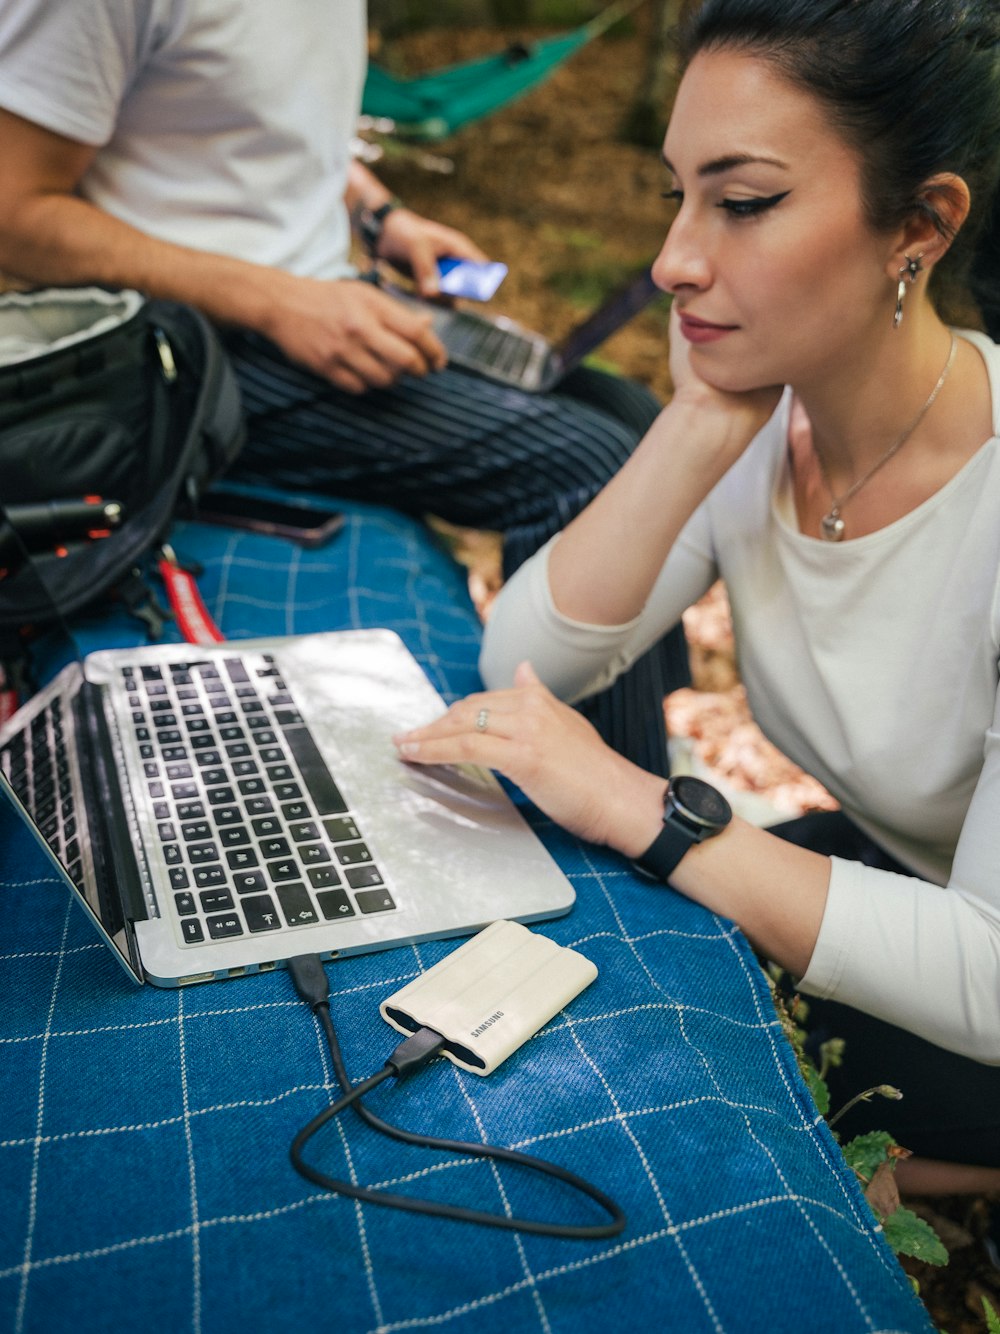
column 106, row 394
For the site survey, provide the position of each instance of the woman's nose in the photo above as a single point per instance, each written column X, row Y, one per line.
column 683, row 260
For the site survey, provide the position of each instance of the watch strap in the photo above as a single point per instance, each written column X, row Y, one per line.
column 662, row 856
column 371, row 222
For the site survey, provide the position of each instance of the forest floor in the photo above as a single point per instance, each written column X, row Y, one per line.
column 547, row 186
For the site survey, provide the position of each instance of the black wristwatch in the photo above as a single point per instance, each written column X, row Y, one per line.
column 693, row 810
column 371, row 221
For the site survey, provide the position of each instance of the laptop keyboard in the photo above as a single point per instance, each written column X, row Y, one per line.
column 255, row 833
column 36, row 764
column 502, row 350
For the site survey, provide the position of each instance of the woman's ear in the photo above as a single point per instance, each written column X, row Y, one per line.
column 942, row 208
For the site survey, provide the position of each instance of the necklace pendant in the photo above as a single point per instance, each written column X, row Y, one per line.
column 832, row 526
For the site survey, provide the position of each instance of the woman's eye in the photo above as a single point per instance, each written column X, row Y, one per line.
column 749, row 208
column 675, row 196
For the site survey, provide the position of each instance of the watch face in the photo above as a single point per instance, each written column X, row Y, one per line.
column 699, row 802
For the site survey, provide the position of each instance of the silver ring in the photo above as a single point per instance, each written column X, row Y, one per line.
column 482, row 720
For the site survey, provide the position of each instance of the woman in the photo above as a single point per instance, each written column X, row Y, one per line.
column 832, row 452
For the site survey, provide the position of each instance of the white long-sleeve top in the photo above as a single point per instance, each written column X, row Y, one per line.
column 873, row 664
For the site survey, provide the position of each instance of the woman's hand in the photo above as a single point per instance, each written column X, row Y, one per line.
column 749, row 411
column 553, row 755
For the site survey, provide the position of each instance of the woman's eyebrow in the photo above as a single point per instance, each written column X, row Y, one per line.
column 717, row 166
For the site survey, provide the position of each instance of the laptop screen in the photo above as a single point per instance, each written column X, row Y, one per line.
column 612, row 315
column 40, row 750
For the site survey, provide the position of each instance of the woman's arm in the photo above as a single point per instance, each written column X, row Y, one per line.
column 604, row 565
column 776, row 892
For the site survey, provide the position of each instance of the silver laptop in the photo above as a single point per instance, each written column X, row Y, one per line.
column 219, row 810
column 502, row 350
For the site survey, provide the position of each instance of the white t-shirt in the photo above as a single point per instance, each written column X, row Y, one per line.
column 223, row 125
column 873, row 664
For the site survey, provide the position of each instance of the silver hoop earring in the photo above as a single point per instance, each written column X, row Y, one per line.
column 909, row 271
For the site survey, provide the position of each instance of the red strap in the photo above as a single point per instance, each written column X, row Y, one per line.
column 8, row 701
column 193, row 617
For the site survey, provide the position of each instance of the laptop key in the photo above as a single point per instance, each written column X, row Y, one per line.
column 320, row 877
column 314, row 771
column 248, row 882
column 200, row 853
column 352, row 853
column 196, row 830
column 296, row 904
column 220, row 928
column 374, row 900
column 205, row 877
column 266, row 826
column 334, row 903
column 185, row 904
column 302, row 832
column 286, row 870
column 241, row 859
column 341, row 831
column 260, row 913
column 215, row 900
column 191, row 931
column 363, row 877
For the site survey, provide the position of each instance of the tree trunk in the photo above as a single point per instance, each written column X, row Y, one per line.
column 646, row 121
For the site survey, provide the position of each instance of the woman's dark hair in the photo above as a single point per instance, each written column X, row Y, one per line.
column 913, row 85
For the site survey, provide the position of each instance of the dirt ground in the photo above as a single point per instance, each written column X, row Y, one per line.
column 547, row 186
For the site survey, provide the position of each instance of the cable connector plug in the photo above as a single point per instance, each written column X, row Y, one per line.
column 310, row 979
column 415, row 1052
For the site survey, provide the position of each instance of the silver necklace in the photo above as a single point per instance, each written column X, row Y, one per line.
column 832, row 526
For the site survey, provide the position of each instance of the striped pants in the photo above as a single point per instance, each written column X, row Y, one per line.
column 476, row 453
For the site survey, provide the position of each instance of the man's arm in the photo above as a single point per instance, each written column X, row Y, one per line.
column 411, row 242
column 348, row 332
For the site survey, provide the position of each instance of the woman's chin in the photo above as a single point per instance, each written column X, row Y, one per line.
column 732, row 379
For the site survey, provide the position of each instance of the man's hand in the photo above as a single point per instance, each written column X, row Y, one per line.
column 351, row 333
column 415, row 243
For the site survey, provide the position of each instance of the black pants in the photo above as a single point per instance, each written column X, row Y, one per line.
column 950, row 1107
column 476, row 453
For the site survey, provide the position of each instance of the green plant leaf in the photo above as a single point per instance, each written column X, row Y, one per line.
column 817, row 1087
column 992, row 1319
column 909, row 1235
column 865, row 1152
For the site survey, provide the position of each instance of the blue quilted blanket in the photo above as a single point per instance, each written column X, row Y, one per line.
column 144, row 1134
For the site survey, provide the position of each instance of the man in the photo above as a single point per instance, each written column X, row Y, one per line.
column 199, row 150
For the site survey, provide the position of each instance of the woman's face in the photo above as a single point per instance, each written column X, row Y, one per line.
column 773, row 268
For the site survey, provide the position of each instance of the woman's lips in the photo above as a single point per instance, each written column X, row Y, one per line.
column 701, row 331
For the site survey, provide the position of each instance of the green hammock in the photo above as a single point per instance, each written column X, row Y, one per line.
column 433, row 106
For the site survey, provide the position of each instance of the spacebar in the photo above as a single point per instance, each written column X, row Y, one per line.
column 316, row 776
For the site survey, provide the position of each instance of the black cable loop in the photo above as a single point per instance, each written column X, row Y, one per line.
column 433, row 1208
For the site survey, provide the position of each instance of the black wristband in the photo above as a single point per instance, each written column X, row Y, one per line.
column 370, row 223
